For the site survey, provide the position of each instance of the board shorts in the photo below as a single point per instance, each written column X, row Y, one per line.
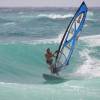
column 49, row 61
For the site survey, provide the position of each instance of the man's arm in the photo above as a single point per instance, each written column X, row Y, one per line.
column 54, row 54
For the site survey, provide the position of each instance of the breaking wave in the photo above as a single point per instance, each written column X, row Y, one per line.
column 55, row 16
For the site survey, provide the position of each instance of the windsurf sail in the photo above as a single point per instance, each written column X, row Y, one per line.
column 70, row 37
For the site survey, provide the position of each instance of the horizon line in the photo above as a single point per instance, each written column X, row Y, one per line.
column 43, row 7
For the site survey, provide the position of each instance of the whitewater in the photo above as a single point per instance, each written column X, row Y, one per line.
column 25, row 33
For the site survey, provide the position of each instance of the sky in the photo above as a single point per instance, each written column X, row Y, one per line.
column 47, row 3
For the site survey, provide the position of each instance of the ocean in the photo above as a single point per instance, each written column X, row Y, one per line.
column 26, row 33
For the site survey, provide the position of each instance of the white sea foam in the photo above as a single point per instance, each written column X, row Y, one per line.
column 90, row 13
column 91, row 66
column 18, row 85
column 11, row 40
column 10, row 23
column 55, row 16
column 64, row 16
column 90, row 17
column 92, row 41
column 20, row 13
column 86, row 25
column 48, row 41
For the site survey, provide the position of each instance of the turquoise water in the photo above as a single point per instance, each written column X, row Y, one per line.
column 25, row 33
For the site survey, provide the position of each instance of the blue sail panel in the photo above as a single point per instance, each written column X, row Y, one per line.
column 70, row 37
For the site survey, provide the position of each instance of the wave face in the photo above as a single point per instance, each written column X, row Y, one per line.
column 25, row 34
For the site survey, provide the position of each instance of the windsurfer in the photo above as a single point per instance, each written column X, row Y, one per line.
column 68, row 42
column 49, row 60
